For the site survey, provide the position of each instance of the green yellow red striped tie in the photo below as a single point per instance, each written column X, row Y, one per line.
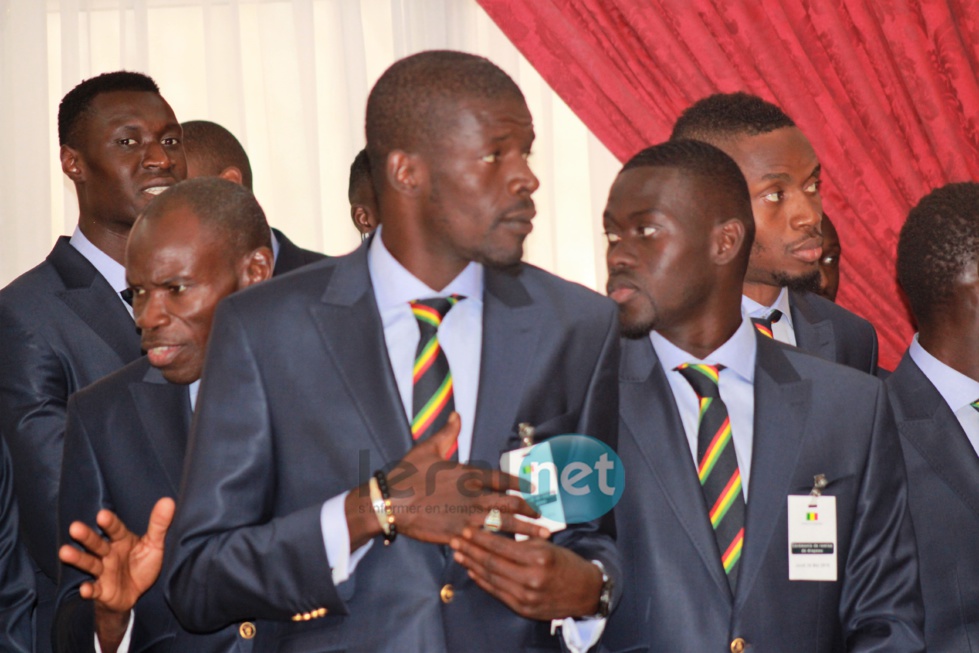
column 717, row 468
column 432, row 396
column 975, row 404
column 764, row 324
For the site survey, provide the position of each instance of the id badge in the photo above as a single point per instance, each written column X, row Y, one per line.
column 812, row 537
column 544, row 496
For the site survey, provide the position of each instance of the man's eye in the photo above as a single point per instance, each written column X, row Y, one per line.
column 774, row 197
column 177, row 289
column 127, row 141
column 170, row 142
column 646, row 232
column 612, row 238
column 137, row 292
column 527, row 155
column 490, row 158
column 828, row 260
column 813, row 187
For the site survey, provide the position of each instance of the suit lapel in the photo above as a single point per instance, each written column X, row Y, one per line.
column 927, row 422
column 350, row 327
column 289, row 257
column 90, row 296
column 164, row 411
column 649, row 411
column 812, row 333
column 782, row 404
column 512, row 325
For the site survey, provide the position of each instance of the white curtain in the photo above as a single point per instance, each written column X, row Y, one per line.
column 290, row 78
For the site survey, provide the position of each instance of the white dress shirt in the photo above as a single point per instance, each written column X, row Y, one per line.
column 782, row 330
column 957, row 389
column 108, row 267
column 736, row 384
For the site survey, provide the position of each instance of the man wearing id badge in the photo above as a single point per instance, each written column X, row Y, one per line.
column 766, row 508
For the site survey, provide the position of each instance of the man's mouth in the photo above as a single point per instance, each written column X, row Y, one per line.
column 809, row 251
column 155, row 190
column 620, row 291
column 162, row 355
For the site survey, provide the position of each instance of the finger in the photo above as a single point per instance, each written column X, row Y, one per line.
column 112, row 526
column 86, row 590
column 501, row 482
column 507, row 504
column 160, row 520
column 526, row 553
column 84, row 561
column 446, row 438
column 88, row 538
column 485, row 563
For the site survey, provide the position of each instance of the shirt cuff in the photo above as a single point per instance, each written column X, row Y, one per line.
column 580, row 634
column 336, row 539
column 124, row 644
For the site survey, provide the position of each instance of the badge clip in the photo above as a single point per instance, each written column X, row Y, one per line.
column 526, row 432
column 818, row 484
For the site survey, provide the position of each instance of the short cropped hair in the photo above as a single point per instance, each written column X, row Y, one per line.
column 229, row 209
column 214, row 148
column 414, row 100
column 938, row 240
column 360, row 173
column 723, row 116
column 716, row 171
column 77, row 102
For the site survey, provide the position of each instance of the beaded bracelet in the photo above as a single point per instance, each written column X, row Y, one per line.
column 380, row 482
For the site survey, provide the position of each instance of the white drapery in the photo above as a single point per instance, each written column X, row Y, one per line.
column 290, row 78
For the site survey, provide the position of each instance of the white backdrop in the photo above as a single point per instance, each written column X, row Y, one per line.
column 290, row 78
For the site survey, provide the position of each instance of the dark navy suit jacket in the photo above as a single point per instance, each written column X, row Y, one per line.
column 299, row 404
column 291, row 256
column 124, row 450
column 16, row 573
column 943, row 490
column 833, row 333
column 811, row 417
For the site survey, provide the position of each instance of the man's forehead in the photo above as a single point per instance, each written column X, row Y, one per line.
column 136, row 107
column 771, row 152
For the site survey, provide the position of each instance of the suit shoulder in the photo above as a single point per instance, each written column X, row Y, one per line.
column 110, row 388
column 302, row 283
column 829, row 373
column 833, row 311
column 542, row 283
column 25, row 290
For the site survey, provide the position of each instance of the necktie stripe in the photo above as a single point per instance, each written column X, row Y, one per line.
column 733, row 552
column 975, row 404
column 714, row 450
column 425, row 359
column 728, row 495
column 427, row 314
column 765, row 331
column 432, row 388
column 431, row 410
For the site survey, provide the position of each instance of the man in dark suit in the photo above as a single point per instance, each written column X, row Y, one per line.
column 213, row 151
column 16, row 575
column 124, row 447
column 783, row 275
column 935, row 395
column 313, row 380
column 64, row 324
column 725, row 432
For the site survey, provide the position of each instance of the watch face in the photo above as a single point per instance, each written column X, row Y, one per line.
column 605, row 598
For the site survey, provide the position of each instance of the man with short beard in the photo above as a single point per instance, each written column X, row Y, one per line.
column 783, row 276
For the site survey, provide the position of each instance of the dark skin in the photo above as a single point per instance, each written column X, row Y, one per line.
column 951, row 332
column 829, row 263
column 783, row 174
column 127, row 149
column 673, row 265
column 363, row 208
column 179, row 270
column 468, row 198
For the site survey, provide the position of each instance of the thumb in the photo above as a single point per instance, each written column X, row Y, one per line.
column 445, row 439
column 160, row 520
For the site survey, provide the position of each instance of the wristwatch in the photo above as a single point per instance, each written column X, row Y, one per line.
column 605, row 597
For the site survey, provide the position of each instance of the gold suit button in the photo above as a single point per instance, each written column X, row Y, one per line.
column 738, row 645
column 447, row 593
column 246, row 629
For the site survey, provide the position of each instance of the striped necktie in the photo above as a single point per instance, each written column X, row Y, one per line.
column 975, row 404
column 764, row 324
column 717, row 468
column 432, row 396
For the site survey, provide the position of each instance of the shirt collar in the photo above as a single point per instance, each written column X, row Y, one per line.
column 108, row 267
column 751, row 308
column 192, row 391
column 395, row 285
column 275, row 247
column 956, row 388
column 737, row 353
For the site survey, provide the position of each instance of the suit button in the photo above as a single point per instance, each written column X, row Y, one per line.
column 246, row 629
column 738, row 645
column 447, row 593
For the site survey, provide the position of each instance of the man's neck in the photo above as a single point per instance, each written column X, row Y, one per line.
column 952, row 347
column 108, row 240
column 762, row 293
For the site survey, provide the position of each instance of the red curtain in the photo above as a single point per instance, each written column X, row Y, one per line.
column 886, row 90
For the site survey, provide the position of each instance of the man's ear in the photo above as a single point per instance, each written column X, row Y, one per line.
column 231, row 173
column 71, row 163
column 255, row 266
column 728, row 241
column 406, row 173
column 361, row 216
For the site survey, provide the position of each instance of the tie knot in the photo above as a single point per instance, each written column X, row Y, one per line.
column 764, row 324
column 702, row 377
column 432, row 311
column 975, row 404
column 775, row 316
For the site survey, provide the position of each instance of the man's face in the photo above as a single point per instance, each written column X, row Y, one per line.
column 179, row 272
column 783, row 179
column 128, row 151
column 829, row 263
column 658, row 253
column 479, row 206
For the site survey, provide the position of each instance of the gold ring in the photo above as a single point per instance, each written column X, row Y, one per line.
column 493, row 521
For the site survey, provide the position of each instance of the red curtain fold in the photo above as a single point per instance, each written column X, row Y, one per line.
column 886, row 90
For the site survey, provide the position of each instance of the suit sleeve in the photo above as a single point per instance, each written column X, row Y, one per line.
column 16, row 576
column 595, row 540
column 230, row 559
column 880, row 606
column 83, row 494
column 33, row 395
